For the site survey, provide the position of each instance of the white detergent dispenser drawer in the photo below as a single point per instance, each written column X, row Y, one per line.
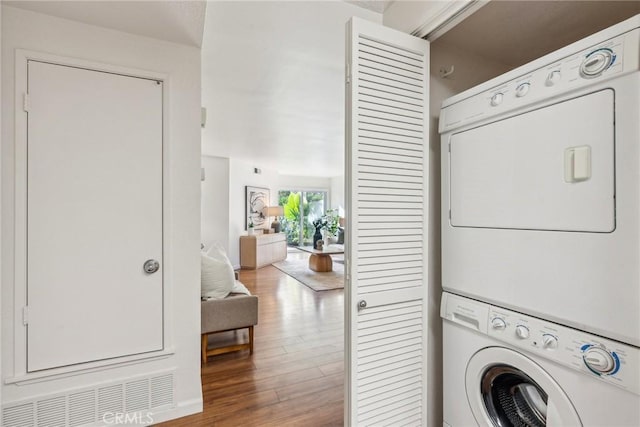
column 549, row 169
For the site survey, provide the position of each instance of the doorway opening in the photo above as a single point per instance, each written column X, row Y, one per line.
column 301, row 208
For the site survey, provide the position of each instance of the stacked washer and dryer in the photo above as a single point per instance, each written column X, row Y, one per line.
column 541, row 240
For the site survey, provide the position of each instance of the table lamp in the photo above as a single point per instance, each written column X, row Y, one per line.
column 275, row 211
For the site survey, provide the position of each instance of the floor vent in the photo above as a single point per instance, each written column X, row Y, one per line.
column 92, row 406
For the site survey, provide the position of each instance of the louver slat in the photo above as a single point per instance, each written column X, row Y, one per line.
column 393, row 106
column 386, row 248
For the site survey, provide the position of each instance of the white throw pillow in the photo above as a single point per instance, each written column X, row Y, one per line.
column 217, row 277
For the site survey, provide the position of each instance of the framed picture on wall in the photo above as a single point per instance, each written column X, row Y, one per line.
column 257, row 199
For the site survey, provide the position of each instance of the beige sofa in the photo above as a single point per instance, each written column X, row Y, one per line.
column 236, row 311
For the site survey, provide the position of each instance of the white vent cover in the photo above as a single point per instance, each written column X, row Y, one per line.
column 110, row 400
column 88, row 406
column 19, row 415
column 82, row 408
column 51, row 412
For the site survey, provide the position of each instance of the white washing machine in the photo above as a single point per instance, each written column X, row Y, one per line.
column 541, row 187
column 503, row 368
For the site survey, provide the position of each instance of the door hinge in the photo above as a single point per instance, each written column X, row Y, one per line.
column 25, row 102
column 449, row 213
column 449, row 147
column 25, row 315
column 348, row 76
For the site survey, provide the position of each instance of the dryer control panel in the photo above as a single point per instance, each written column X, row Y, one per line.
column 537, row 83
column 607, row 360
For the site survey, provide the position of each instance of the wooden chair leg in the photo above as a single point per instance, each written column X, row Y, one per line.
column 204, row 346
column 250, row 339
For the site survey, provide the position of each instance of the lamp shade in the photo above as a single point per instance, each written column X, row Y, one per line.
column 275, row 211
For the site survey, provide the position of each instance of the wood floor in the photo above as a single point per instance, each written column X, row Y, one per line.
column 295, row 375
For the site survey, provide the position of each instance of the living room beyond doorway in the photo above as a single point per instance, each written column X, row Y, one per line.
column 296, row 373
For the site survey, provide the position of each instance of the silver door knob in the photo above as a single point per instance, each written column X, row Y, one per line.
column 362, row 304
column 151, row 266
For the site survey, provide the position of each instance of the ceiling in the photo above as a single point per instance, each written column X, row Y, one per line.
column 516, row 32
column 376, row 5
column 273, row 84
column 175, row 21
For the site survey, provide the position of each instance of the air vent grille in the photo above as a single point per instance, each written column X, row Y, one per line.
column 110, row 400
column 89, row 406
column 82, row 408
column 137, row 396
column 18, row 416
column 161, row 391
column 52, row 412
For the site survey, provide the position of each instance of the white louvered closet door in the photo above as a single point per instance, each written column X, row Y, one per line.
column 387, row 206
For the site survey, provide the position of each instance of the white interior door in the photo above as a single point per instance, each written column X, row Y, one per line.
column 387, row 208
column 94, row 215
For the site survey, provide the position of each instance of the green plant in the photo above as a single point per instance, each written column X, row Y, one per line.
column 328, row 222
column 291, row 220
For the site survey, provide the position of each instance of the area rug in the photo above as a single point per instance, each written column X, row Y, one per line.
column 298, row 268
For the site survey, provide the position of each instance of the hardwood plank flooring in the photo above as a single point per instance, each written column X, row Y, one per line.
column 295, row 376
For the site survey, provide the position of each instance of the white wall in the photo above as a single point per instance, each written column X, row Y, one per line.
column 241, row 174
column 215, row 201
column 337, row 194
column 1, row 140
column 470, row 70
column 32, row 31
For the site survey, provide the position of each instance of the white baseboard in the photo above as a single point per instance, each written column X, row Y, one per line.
column 181, row 409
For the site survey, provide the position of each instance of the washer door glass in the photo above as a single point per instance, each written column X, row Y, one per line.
column 506, row 388
column 511, row 398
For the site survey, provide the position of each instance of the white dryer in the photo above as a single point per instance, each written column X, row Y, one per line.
column 541, row 187
column 502, row 368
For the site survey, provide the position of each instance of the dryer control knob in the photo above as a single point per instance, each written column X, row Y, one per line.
column 497, row 99
column 498, row 323
column 599, row 360
column 523, row 89
column 553, row 78
column 596, row 62
column 549, row 342
column 522, row 332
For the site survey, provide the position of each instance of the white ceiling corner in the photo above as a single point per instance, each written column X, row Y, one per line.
column 178, row 21
column 378, row 6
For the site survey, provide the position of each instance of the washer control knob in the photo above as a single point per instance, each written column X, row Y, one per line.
column 549, row 342
column 553, row 78
column 496, row 99
column 599, row 360
column 522, row 332
column 596, row 62
column 498, row 323
column 522, row 89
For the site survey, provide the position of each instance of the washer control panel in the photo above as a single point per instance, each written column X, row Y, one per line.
column 606, row 360
column 581, row 69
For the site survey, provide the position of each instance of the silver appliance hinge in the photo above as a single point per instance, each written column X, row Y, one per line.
column 25, row 102
column 449, row 213
column 449, row 146
column 25, row 315
column 348, row 77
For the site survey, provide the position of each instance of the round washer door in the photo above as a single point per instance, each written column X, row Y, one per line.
column 506, row 388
